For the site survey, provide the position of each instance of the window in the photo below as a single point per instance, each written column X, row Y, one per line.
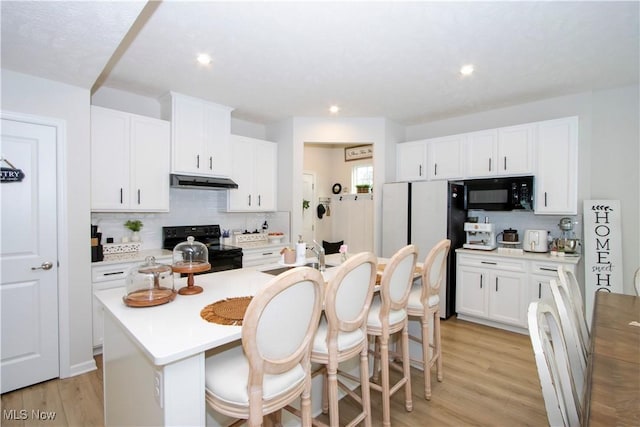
column 361, row 175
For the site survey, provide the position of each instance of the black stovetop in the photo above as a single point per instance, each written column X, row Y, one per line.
column 206, row 234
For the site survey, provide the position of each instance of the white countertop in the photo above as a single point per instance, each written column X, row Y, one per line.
column 535, row 256
column 173, row 331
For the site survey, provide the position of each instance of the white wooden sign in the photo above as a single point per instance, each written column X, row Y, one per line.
column 602, row 250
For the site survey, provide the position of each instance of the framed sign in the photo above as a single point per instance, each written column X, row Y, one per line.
column 10, row 174
column 358, row 153
column 602, row 250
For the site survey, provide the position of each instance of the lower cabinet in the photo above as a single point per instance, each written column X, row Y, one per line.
column 496, row 290
column 261, row 256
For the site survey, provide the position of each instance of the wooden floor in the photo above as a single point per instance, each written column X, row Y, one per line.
column 490, row 379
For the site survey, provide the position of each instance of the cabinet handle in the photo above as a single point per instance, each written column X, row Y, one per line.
column 435, row 169
column 555, row 270
column 120, row 195
column 113, row 273
column 545, row 199
column 489, row 164
column 419, row 170
column 259, row 200
column 489, row 262
column 210, row 162
column 267, row 253
column 198, row 161
column 505, row 162
column 496, row 284
column 138, row 196
column 481, row 276
column 539, row 290
column 249, row 199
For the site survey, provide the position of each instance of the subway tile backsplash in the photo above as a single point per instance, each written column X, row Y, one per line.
column 521, row 221
column 188, row 207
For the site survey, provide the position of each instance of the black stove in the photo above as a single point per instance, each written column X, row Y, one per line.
column 221, row 257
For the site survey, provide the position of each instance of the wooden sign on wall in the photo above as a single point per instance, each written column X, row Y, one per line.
column 602, row 250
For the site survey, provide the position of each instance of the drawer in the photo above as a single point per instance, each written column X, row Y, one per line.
column 507, row 264
column 119, row 271
column 550, row 268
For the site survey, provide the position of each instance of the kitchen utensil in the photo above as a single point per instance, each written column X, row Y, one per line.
column 510, row 235
column 536, row 241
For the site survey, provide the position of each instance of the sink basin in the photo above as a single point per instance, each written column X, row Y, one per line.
column 280, row 270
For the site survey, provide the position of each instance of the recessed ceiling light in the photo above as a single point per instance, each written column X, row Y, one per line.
column 466, row 70
column 334, row 109
column 204, row 59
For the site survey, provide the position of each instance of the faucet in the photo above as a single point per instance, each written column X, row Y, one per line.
column 318, row 250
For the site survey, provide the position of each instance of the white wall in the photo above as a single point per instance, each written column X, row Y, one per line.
column 30, row 95
column 608, row 149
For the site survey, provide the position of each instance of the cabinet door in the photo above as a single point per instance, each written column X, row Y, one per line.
column 444, row 157
column 471, row 285
column 411, row 160
column 481, row 150
column 515, row 144
column 217, row 129
column 507, row 298
column 539, row 288
column 187, row 148
column 557, row 167
column 241, row 198
column 150, row 145
column 265, row 175
column 109, row 159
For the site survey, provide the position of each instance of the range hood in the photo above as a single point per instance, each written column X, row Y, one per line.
column 201, row 182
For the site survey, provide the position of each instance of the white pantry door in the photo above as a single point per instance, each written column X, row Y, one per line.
column 29, row 257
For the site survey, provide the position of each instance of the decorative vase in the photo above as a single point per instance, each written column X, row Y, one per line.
column 135, row 236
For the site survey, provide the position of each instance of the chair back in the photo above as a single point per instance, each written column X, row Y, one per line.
column 348, row 295
column 396, row 281
column 558, row 391
column 576, row 353
column 569, row 282
column 433, row 270
column 281, row 321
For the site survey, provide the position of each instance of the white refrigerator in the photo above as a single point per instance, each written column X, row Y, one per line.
column 423, row 213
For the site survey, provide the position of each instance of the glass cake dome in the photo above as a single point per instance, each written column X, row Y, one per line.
column 149, row 284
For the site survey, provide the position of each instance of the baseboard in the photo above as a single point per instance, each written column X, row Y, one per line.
column 82, row 368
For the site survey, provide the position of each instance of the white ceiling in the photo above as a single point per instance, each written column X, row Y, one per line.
column 273, row 60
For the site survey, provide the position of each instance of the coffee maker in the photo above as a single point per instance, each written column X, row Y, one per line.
column 480, row 236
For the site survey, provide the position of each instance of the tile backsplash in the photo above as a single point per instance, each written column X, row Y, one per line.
column 521, row 221
column 188, row 207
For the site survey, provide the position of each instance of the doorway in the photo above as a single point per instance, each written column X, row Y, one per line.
column 29, row 253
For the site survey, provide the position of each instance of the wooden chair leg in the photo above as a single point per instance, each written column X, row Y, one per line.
column 332, row 380
column 325, row 391
column 406, row 365
column 425, row 356
column 364, row 385
column 376, row 358
column 305, row 404
column 386, row 395
column 438, row 344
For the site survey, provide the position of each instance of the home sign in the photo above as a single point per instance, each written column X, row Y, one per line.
column 10, row 174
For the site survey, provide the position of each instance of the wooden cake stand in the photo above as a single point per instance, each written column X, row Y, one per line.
column 190, row 268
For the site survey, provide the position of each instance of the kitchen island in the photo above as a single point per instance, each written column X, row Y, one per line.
column 154, row 357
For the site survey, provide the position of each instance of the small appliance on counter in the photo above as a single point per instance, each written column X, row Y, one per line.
column 536, row 241
column 480, row 236
column 567, row 243
column 149, row 284
column 97, row 252
column 509, row 242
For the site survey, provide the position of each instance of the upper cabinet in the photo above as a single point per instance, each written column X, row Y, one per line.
column 556, row 186
column 411, row 161
column 200, row 133
column 129, row 162
column 254, row 169
column 515, row 150
column 444, row 157
column 481, row 149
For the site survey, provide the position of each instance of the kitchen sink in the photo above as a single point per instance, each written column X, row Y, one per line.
column 280, row 270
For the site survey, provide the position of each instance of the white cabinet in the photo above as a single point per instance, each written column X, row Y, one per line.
column 481, row 149
column 411, row 161
column 129, row 162
column 199, row 135
column 444, row 157
column 541, row 274
column 261, row 256
column 254, row 169
column 493, row 289
column 515, row 150
column 556, row 184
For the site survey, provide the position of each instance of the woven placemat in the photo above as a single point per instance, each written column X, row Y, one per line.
column 228, row 311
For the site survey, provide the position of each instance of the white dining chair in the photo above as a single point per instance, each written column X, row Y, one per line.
column 272, row 368
column 569, row 282
column 558, row 391
column 388, row 316
column 424, row 302
column 342, row 334
column 576, row 353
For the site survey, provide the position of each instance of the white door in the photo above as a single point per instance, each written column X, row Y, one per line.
column 28, row 257
column 308, row 193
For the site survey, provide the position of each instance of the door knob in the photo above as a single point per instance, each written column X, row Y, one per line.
column 44, row 266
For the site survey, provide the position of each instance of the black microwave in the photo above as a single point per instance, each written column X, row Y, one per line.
column 499, row 194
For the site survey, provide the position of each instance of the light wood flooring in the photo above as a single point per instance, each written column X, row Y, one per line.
column 490, row 379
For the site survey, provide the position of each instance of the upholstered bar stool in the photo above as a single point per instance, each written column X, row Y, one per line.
column 424, row 302
column 342, row 334
column 272, row 368
column 388, row 316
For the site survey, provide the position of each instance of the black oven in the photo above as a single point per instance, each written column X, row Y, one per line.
column 221, row 257
column 499, row 194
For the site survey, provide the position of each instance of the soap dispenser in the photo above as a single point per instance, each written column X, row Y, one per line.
column 301, row 251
